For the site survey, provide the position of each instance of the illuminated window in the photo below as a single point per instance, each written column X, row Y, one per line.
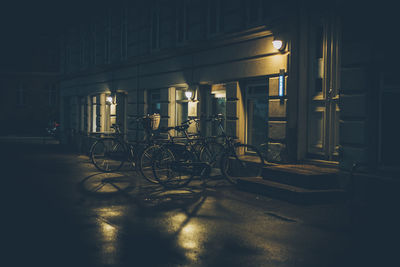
column 94, row 114
column 110, row 116
column 218, row 106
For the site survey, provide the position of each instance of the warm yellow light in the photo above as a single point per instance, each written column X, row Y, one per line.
column 188, row 94
column 277, row 44
column 109, row 99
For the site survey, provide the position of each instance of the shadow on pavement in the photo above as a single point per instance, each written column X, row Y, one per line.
column 107, row 184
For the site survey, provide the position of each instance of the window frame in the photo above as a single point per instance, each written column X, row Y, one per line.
column 218, row 18
column 155, row 27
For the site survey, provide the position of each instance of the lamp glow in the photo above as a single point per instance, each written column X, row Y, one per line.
column 277, row 44
column 188, row 94
column 109, row 99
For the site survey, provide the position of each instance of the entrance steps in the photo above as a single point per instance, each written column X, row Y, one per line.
column 299, row 183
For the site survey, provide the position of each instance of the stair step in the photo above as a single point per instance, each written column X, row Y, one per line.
column 302, row 175
column 289, row 192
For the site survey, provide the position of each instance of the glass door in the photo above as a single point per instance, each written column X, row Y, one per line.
column 257, row 114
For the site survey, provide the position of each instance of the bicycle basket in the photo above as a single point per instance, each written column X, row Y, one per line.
column 151, row 122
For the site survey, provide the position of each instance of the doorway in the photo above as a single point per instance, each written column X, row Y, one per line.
column 257, row 114
column 323, row 93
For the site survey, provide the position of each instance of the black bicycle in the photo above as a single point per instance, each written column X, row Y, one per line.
column 237, row 160
column 176, row 162
column 174, row 167
column 109, row 153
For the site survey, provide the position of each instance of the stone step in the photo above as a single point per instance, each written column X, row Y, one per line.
column 290, row 193
column 302, row 175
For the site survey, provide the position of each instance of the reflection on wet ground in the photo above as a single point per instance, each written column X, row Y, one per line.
column 165, row 215
column 63, row 212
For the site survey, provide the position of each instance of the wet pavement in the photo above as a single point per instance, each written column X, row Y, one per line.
column 58, row 210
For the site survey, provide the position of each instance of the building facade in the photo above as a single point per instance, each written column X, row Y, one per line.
column 29, row 77
column 323, row 96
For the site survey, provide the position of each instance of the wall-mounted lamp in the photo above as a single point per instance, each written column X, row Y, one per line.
column 278, row 44
column 188, row 94
column 109, row 100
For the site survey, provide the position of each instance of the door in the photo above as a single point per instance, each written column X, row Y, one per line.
column 257, row 114
column 323, row 95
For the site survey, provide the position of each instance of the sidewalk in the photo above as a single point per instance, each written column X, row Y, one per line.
column 60, row 211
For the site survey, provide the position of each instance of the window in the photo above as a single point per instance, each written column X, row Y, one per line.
column 83, row 46
column 218, row 106
column 181, row 21
column 93, row 40
column 82, row 114
column 107, row 40
column 319, row 57
column 124, row 35
column 110, row 112
column 257, row 11
column 153, row 101
column 214, row 17
column 95, row 114
column 155, row 28
column 257, row 114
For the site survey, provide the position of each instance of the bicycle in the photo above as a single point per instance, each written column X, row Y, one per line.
column 176, row 164
column 238, row 160
column 108, row 154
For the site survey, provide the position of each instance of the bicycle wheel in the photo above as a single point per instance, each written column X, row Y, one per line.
column 173, row 169
column 211, row 153
column 108, row 154
column 240, row 162
column 147, row 157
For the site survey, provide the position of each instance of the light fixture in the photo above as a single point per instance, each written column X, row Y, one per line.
column 188, row 94
column 109, row 100
column 278, row 43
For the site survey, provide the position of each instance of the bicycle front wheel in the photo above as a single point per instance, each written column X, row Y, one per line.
column 241, row 161
column 108, row 154
column 146, row 162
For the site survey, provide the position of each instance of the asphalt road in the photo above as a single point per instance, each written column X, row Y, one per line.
column 58, row 210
